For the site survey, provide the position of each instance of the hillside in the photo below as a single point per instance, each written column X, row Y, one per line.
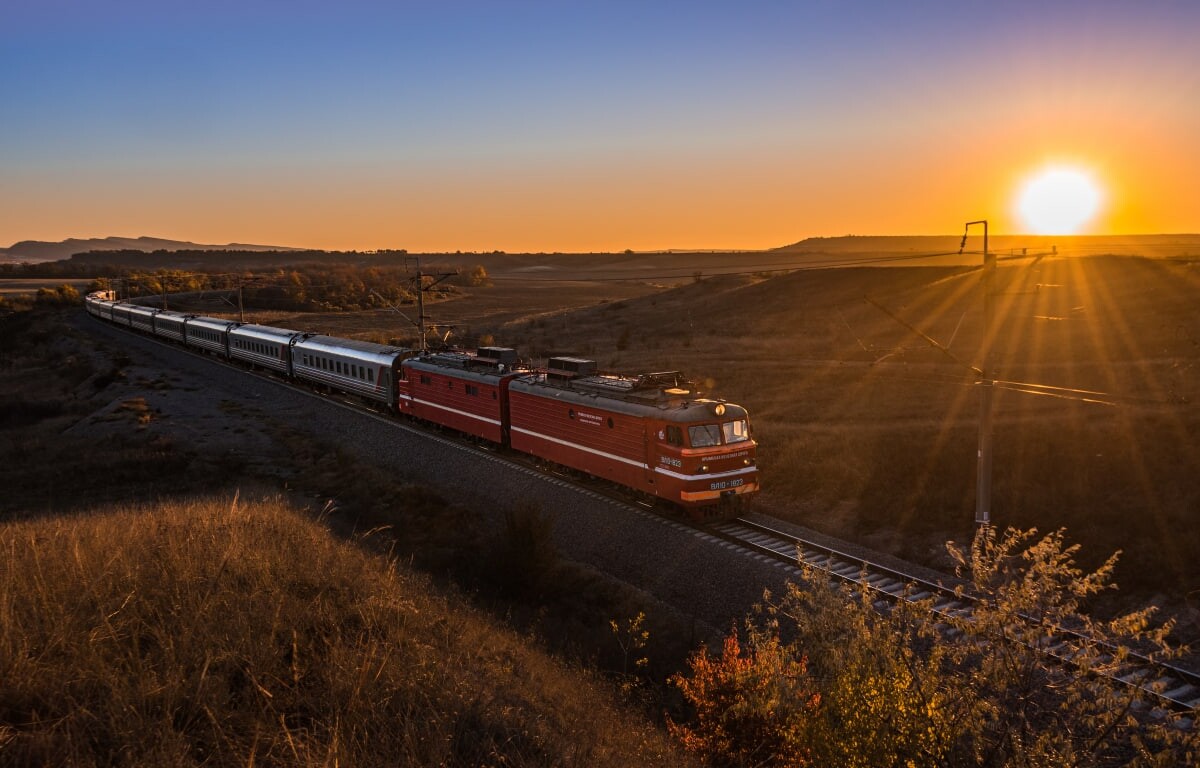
column 221, row 632
column 36, row 251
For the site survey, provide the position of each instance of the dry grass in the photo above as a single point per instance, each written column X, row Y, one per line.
column 228, row 633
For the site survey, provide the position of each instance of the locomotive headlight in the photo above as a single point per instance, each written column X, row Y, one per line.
column 746, row 462
column 703, row 469
column 719, row 409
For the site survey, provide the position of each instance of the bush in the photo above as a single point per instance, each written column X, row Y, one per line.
column 63, row 296
column 908, row 686
column 750, row 709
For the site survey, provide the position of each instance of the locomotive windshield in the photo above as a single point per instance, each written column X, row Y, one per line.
column 705, row 435
column 736, row 431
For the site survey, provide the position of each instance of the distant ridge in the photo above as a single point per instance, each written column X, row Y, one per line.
column 36, row 251
column 1159, row 245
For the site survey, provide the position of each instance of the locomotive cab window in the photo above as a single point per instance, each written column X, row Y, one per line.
column 735, row 431
column 704, row 435
column 675, row 435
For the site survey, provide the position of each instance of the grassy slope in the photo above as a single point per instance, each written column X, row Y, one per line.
column 227, row 633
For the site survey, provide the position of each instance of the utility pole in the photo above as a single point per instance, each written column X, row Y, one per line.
column 983, row 474
column 420, row 305
column 421, row 288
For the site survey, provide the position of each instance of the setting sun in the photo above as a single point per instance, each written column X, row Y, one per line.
column 1058, row 201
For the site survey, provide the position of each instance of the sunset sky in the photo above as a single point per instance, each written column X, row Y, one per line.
column 563, row 126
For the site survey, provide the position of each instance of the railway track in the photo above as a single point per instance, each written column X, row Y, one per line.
column 1171, row 686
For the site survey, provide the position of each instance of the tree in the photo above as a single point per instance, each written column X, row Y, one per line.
column 478, row 276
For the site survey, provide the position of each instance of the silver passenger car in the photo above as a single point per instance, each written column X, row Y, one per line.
column 121, row 313
column 208, row 333
column 361, row 368
column 170, row 324
column 263, row 345
column 142, row 318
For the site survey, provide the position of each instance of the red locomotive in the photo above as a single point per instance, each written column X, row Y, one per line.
column 649, row 432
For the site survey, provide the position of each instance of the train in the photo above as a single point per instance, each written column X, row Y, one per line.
column 652, row 434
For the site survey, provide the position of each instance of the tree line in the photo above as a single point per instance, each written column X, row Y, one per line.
column 317, row 287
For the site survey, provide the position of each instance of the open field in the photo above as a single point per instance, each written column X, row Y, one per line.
column 28, row 287
column 465, row 314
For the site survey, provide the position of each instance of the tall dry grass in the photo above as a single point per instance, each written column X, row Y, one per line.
column 226, row 633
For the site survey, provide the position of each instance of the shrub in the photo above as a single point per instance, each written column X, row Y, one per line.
column 63, row 296
column 908, row 686
column 751, row 708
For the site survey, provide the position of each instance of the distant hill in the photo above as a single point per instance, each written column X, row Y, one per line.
column 1145, row 245
column 36, row 251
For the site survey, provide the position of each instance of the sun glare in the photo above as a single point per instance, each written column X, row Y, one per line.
column 1058, row 201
